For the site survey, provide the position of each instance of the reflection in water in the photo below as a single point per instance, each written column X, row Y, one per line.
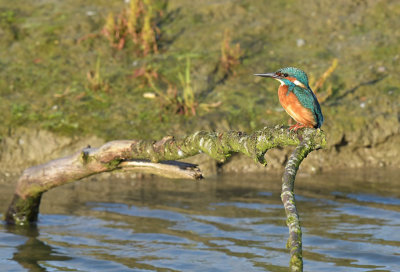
column 230, row 223
column 30, row 253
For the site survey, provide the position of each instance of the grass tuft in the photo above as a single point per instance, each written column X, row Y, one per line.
column 230, row 56
column 136, row 24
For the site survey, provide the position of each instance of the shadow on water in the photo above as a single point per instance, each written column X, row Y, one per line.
column 227, row 223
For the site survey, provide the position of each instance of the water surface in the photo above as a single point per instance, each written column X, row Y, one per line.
column 350, row 221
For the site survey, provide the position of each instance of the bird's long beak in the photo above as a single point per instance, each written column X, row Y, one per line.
column 273, row 75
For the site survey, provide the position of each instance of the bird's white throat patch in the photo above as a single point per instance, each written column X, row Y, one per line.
column 281, row 81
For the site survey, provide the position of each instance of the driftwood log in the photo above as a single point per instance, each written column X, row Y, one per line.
column 157, row 157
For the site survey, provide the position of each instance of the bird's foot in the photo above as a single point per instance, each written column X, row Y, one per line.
column 297, row 126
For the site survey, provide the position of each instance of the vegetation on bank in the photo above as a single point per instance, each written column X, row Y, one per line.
column 148, row 68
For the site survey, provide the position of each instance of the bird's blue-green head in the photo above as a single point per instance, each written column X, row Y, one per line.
column 289, row 75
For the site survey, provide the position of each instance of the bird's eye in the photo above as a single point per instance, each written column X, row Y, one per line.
column 285, row 75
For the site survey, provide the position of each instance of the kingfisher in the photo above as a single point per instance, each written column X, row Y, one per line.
column 297, row 98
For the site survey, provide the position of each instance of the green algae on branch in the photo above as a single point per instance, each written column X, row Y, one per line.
column 220, row 145
column 23, row 212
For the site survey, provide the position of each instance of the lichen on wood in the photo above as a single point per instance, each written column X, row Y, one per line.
column 157, row 157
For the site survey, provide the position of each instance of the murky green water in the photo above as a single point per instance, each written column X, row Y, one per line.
column 351, row 222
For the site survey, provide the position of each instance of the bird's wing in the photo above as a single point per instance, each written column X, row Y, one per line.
column 308, row 99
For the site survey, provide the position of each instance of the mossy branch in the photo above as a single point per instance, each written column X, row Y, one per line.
column 310, row 142
column 157, row 157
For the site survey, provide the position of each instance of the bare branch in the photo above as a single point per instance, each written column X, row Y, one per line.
column 167, row 169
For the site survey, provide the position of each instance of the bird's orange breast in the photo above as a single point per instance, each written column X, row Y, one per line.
column 294, row 108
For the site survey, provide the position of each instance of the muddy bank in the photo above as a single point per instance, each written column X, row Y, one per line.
column 25, row 148
column 61, row 81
